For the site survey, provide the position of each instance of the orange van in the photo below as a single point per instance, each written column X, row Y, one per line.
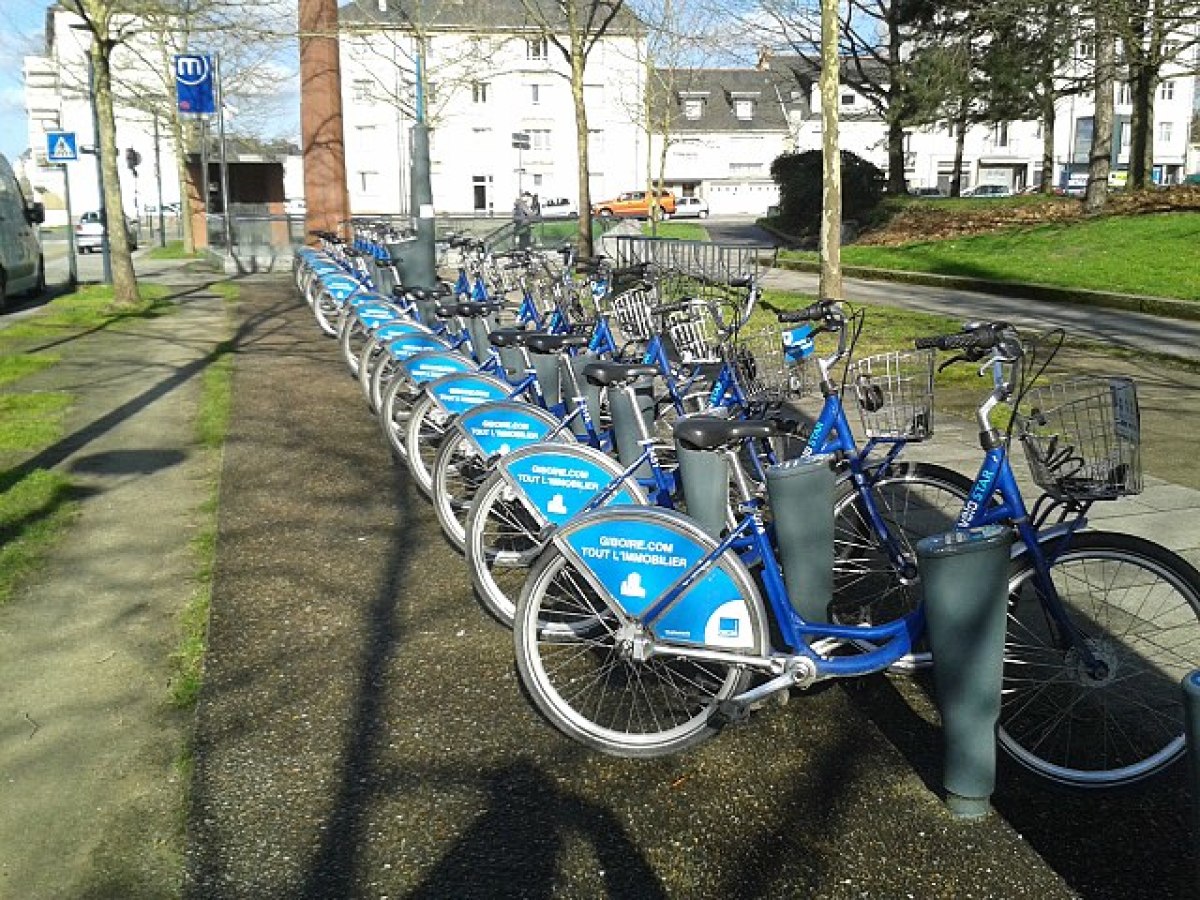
column 635, row 205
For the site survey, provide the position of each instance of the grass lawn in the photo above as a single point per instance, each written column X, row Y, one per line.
column 1151, row 254
column 172, row 250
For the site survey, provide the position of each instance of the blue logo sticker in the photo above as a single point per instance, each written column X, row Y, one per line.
column 458, row 393
column 798, row 343
column 500, row 428
column 430, row 365
column 637, row 561
column 558, row 483
column 408, row 345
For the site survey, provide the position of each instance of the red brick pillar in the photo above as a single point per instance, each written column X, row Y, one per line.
column 326, row 197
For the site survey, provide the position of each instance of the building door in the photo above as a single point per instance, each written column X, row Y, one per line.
column 482, row 188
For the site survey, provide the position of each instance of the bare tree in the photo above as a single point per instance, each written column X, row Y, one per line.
column 574, row 28
column 108, row 27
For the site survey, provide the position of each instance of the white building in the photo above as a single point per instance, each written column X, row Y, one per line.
column 58, row 98
column 491, row 75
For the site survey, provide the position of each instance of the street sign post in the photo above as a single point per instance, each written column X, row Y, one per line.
column 62, row 148
column 194, row 84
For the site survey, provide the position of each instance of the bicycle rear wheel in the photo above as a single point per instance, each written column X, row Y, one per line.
column 502, row 543
column 424, row 431
column 577, row 670
column 458, row 471
column 1136, row 606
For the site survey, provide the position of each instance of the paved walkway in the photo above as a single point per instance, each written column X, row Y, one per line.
column 361, row 732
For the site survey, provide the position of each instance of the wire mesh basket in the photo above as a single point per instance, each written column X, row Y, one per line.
column 765, row 372
column 694, row 335
column 1082, row 438
column 632, row 312
column 895, row 394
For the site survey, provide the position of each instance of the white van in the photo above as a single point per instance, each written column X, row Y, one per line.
column 22, row 268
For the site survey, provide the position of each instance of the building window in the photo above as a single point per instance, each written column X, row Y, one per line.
column 535, row 93
column 362, row 89
column 847, row 99
column 595, row 145
column 479, row 92
column 1166, row 131
column 537, row 48
column 693, row 108
column 1166, row 90
column 1000, row 134
column 1087, row 49
column 1123, row 93
column 368, row 182
column 743, row 109
column 539, row 138
column 745, row 168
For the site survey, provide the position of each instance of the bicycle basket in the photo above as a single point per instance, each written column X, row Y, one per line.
column 694, row 334
column 895, row 394
column 763, row 370
column 631, row 309
column 1082, row 438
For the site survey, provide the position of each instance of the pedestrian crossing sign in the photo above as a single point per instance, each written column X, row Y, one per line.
column 61, row 147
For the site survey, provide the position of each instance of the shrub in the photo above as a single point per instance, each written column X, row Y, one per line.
column 799, row 178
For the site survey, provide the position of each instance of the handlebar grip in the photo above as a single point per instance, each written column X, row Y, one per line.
column 979, row 337
column 678, row 306
column 811, row 313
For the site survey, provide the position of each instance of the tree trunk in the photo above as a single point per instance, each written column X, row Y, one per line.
column 830, row 285
column 1141, row 125
column 125, row 288
column 1049, row 120
column 578, row 62
column 960, row 140
column 1100, row 157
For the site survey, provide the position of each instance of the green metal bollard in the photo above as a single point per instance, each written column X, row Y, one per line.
column 625, row 424
column 964, row 578
column 704, row 475
column 801, row 494
column 1191, row 718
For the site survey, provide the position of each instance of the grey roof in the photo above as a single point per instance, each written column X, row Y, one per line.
column 474, row 15
column 807, row 70
column 772, row 91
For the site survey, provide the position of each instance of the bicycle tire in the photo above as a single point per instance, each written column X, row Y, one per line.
column 326, row 310
column 501, row 544
column 458, row 471
column 1138, row 605
column 369, row 359
column 394, row 413
column 352, row 337
column 572, row 668
column 427, row 424
column 916, row 500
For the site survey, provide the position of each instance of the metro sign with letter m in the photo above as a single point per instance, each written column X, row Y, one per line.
column 194, row 83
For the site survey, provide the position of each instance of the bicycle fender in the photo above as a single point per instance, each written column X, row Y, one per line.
column 370, row 314
column 455, row 394
column 495, row 429
column 635, row 557
column 556, row 481
column 408, row 345
column 402, row 326
column 430, row 365
column 340, row 287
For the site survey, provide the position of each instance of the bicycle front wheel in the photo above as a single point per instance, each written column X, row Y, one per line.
column 1117, row 718
column 423, row 436
column 458, row 471
column 914, row 501
column 581, row 676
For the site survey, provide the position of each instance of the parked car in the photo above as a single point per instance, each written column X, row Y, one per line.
column 634, row 205
column 22, row 269
column 690, row 208
column 557, row 208
column 989, row 190
column 90, row 232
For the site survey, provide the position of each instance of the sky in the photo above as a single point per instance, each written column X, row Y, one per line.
column 21, row 25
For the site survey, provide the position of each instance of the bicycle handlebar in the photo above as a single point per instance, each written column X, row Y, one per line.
column 975, row 336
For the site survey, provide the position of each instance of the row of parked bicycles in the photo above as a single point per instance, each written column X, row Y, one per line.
column 684, row 500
